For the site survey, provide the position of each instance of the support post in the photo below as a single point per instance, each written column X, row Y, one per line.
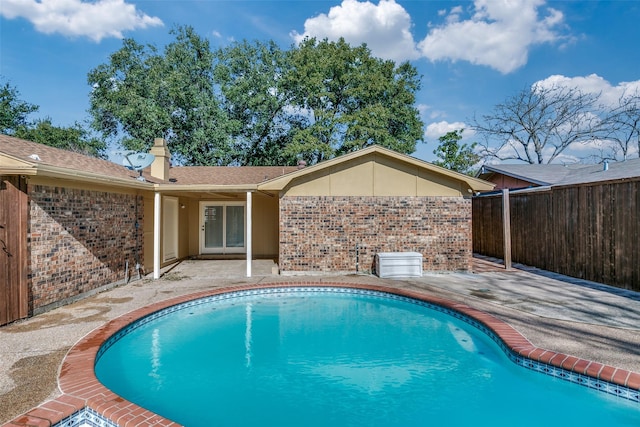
column 506, row 228
column 249, row 232
column 156, row 235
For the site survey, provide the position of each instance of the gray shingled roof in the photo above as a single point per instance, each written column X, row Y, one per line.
column 593, row 173
column 566, row 174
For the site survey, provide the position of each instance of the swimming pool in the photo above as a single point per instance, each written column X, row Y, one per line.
column 342, row 356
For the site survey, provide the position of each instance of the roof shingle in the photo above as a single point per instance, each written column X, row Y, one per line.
column 226, row 175
column 51, row 156
column 186, row 175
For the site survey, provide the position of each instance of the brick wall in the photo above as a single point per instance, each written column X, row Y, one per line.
column 79, row 240
column 320, row 234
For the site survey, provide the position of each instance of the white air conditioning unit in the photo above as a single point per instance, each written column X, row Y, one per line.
column 398, row 264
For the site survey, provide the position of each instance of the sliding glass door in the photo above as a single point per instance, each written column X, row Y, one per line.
column 222, row 227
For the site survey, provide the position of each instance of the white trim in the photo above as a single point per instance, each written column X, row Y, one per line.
column 156, row 235
column 169, row 228
column 222, row 250
column 248, row 232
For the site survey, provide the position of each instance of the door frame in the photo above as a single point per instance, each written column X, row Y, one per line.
column 224, row 250
column 170, row 214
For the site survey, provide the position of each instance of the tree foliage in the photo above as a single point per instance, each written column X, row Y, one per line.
column 456, row 157
column 258, row 101
column 141, row 95
column 537, row 124
column 254, row 103
column 14, row 121
column 72, row 138
column 353, row 100
column 13, row 110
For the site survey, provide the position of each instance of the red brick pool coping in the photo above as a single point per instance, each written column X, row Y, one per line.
column 81, row 389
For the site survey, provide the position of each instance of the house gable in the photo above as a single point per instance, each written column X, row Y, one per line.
column 375, row 171
column 373, row 175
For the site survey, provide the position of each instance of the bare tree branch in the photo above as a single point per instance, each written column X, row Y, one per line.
column 621, row 126
column 537, row 124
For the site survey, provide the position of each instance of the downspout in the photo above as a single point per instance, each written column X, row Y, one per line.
column 249, row 233
column 156, row 235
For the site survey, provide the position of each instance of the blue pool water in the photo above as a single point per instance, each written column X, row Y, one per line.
column 336, row 359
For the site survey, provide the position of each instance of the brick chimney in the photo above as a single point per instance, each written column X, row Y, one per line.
column 162, row 162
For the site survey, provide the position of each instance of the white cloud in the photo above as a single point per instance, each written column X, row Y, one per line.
column 438, row 129
column 596, row 149
column 429, row 112
column 565, row 158
column 499, row 34
column 385, row 28
column 589, row 145
column 495, row 33
column 75, row 18
column 453, row 15
column 423, row 109
column 593, row 84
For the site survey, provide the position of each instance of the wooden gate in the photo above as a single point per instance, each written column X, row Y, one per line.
column 14, row 302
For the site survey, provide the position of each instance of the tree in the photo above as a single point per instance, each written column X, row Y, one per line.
column 253, row 103
column 621, row 125
column 73, row 138
column 13, row 110
column 539, row 123
column 258, row 101
column 456, row 157
column 141, row 95
column 352, row 100
column 13, row 121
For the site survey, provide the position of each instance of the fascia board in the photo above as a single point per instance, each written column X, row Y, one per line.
column 70, row 174
column 205, row 187
column 11, row 165
column 515, row 175
column 18, row 170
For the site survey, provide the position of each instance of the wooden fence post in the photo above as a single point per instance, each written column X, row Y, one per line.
column 506, row 228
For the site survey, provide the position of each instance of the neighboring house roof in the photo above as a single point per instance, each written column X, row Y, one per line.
column 547, row 175
column 593, row 173
column 536, row 174
column 280, row 183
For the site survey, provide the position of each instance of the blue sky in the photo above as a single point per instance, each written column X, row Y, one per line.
column 472, row 54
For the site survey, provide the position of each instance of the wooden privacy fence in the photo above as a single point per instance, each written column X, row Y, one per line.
column 13, row 249
column 590, row 231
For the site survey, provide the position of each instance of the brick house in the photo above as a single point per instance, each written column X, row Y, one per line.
column 71, row 224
